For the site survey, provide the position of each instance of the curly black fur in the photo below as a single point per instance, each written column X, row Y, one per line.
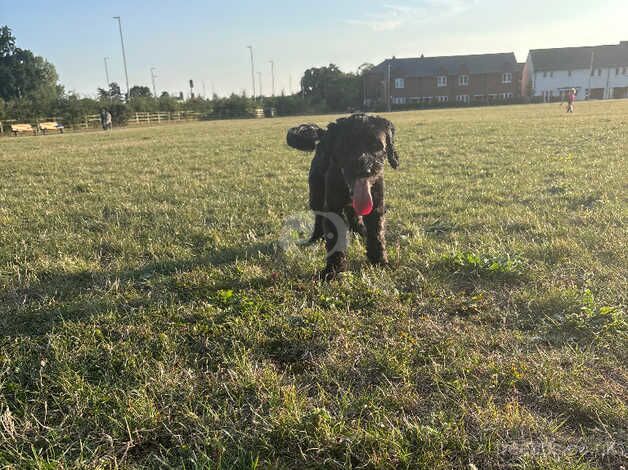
column 305, row 137
column 350, row 151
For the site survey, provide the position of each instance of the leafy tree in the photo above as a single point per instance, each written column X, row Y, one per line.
column 23, row 74
column 73, row 109
column 365, row 68
column 330, row 86
column 168, row 103
column 112, row 94
column 7, row 42
column 140, row 92
column 233, row 106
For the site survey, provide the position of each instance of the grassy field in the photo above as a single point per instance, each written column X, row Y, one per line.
column 152, row 313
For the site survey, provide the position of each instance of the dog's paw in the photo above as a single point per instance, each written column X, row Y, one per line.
column 313, row 240
column 380, row 261
column 329, row 274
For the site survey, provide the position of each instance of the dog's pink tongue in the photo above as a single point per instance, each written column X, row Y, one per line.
column 362, row 200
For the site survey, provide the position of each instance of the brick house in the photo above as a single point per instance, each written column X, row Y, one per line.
column 598, row 72
column 465, row 79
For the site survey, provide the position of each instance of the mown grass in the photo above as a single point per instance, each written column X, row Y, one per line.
column 150, row 315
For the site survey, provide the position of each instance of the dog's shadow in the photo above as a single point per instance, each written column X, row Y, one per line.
column 60, row 296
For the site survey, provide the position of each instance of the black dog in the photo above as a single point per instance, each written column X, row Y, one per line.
column 347, row 176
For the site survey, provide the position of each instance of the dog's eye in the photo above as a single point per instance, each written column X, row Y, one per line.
column 378, row 147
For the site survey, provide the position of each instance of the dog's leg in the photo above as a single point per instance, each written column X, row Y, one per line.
column 335, row 226
column 356, row 223
column 316, row 181
column 336, row 245
column 375, row 229
column 318, row 232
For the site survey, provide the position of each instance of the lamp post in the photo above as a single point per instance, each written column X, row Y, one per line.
column 250, row 48
column 126, row 72
column 107, row 72
column 153, row 77
column 272, row 76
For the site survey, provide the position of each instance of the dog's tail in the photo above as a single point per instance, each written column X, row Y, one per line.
column 305, row 137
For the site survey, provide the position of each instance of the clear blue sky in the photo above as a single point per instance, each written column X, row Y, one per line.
column 206, row 40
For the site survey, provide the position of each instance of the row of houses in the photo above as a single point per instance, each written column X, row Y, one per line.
column 598, row 72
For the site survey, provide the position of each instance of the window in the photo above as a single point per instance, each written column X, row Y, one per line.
column 426, row 99
column 400, row 83
column 399, row 100
column 625, row 70
column 442, row 99
column 441, row 81
column 507, row 77
column 617, row 71
column 544, row 74
column 505, row 96
column 463, row 80
column 462, row 98
column 552, row 74
column 569, row 73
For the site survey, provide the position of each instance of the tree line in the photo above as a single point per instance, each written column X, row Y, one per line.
column 30, row 90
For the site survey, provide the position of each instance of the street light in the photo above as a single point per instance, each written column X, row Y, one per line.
column 107, row 71
column 153, row 77
column 126, row 72
column 250, row 48
column 272, row 75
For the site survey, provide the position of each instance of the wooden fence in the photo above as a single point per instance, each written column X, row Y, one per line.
column 92, row 121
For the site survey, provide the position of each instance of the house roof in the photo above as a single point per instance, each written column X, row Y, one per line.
column 432, row 66
column 574, row 58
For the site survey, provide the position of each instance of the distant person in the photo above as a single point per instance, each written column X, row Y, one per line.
column 571, row 99
column 108, row 121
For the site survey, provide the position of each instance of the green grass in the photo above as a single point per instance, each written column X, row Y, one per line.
column 150, row 315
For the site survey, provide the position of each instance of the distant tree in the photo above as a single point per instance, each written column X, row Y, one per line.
column 112, row 94
column 115, row 92
column 7, row 42
column 330, row 86
column 140, row 92
column 103, row 95
column 168, row 103
column 365, row 68
column 233, row 106
column 23, row 74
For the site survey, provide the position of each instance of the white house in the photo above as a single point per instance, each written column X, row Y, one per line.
column 598, row 72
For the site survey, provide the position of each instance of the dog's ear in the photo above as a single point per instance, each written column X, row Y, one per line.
column 391, row 151
column 305, row 137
